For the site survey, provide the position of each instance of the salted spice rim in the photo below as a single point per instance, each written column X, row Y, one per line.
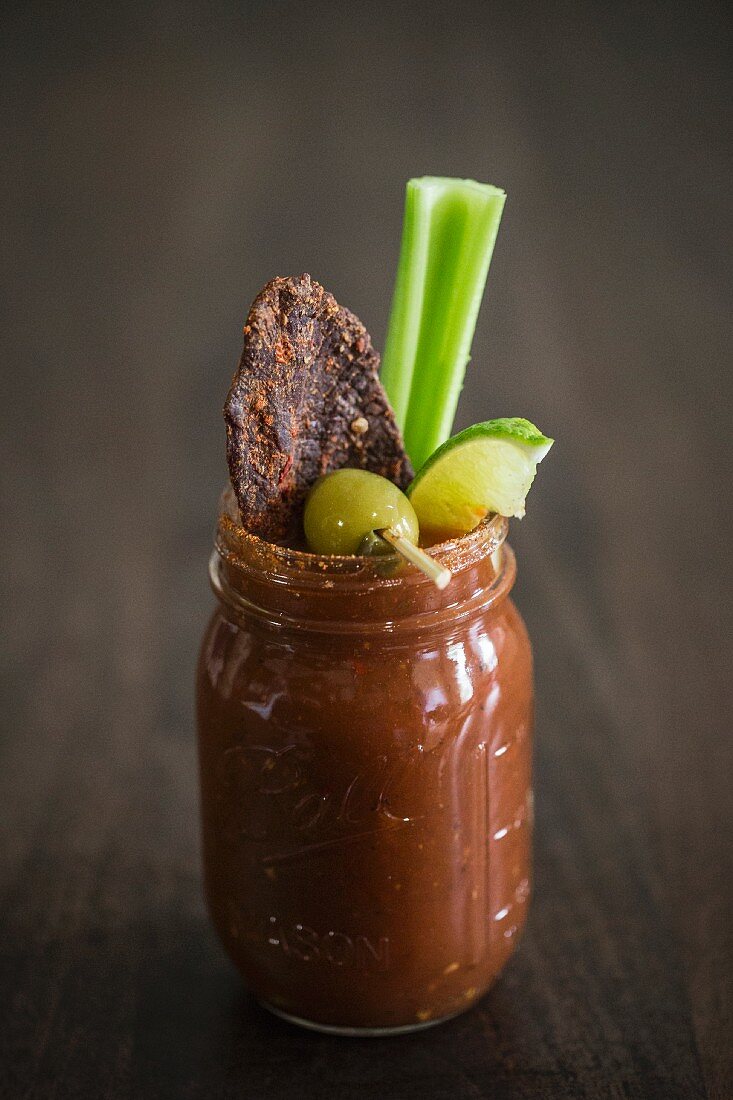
column 283, row 564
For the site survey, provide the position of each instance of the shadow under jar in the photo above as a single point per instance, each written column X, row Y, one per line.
column 365, row 760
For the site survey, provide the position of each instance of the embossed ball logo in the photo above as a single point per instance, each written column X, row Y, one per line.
column 284, row 803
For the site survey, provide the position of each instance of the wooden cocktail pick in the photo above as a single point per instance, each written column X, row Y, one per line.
column 439, row 574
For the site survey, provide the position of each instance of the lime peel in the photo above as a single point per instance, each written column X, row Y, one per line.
column 489, row 467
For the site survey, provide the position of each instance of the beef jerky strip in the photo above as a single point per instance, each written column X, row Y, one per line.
column 306, row 399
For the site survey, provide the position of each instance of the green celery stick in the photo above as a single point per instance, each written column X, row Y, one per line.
column 448, row 236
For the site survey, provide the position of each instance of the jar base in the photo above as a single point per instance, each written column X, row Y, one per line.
column 359, row 1032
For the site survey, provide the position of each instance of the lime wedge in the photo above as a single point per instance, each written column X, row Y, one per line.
column 486, row 468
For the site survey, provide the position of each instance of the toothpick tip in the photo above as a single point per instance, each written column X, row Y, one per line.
column 438, row 574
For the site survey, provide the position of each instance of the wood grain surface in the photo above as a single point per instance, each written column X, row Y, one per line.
column 160, row 164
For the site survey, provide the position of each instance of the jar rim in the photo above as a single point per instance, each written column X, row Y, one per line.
column 299, row 590
column 244, row 550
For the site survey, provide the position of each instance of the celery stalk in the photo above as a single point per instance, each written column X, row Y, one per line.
column 448, row 237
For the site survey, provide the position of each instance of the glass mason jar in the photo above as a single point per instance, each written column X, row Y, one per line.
column 365, row 760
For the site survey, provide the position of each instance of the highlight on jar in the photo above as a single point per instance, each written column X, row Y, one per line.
column 364, row 687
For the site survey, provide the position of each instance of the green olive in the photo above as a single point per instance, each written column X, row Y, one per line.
column 344, row 507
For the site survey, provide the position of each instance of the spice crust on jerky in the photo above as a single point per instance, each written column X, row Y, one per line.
column 306, row 399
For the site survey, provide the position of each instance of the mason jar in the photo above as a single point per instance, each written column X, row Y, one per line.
column 365, row 763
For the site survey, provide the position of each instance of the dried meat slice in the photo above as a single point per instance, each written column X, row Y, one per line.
column 306, row 399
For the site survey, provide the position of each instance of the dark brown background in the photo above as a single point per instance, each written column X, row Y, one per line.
column 159, row 167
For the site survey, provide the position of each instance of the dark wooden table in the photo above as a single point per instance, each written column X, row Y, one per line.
column 161, row 163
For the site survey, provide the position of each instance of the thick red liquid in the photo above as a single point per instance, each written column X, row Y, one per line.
column 366, row 791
